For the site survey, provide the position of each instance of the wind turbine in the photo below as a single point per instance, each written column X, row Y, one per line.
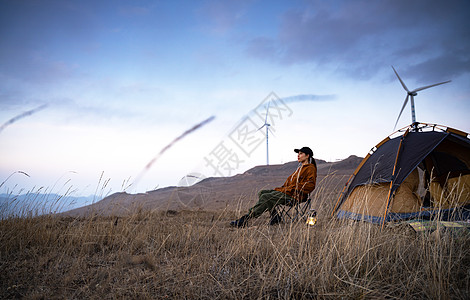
column 411, row 95
column 266, row 124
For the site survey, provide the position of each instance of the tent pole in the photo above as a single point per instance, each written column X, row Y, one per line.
column 393, row 179
column 338, row 203
column 341, row 196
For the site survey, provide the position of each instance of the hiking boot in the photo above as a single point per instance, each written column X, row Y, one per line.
column 242, row 222
column 275, row 219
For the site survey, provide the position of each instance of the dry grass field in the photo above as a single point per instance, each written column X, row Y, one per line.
column 196, row 255
column 153, row 253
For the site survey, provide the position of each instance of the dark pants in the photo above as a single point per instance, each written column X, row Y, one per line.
column 268, row 199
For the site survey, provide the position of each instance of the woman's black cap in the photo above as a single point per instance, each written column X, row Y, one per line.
column 305, row 150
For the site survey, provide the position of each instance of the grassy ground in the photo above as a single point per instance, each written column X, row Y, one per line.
column 194, row 255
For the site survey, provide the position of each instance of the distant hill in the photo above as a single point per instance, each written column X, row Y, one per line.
column 231, row 193
column 34, row 204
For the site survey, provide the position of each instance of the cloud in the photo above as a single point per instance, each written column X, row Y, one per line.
column 304, row 98
column 134, row 10
column 32, row 67
column 361, row 38
column 443, row 67
column 223, row 15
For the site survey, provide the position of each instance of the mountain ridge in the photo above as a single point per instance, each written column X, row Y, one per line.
column 236, row 192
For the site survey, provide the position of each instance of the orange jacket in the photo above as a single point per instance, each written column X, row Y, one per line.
column 300, row 183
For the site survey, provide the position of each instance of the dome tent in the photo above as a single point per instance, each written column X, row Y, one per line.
column 385, row 184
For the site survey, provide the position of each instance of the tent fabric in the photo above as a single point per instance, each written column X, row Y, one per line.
column 460, row 213
column 384, row 187
column 363, row 199
column 379, row 167
column 416, row 146
column 456, row 146
column 445, row 163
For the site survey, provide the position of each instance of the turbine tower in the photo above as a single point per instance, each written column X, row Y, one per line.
column 411, row 95
column 266, row 124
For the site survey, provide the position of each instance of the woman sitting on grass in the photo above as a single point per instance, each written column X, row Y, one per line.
column 295, row 190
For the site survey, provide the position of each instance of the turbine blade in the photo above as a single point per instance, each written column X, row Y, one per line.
column 261, row 127
column 401, row 81
column 429, row 86
column 272, row 132
column 267, row 110
column 402, row 108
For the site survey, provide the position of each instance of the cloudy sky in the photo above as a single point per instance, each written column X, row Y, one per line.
column 91, row 92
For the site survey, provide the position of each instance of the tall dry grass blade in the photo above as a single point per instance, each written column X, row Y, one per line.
column 17, row 172
column 21, row 116
column 192, row 129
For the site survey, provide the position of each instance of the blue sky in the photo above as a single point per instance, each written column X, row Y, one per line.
column 122, row 79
